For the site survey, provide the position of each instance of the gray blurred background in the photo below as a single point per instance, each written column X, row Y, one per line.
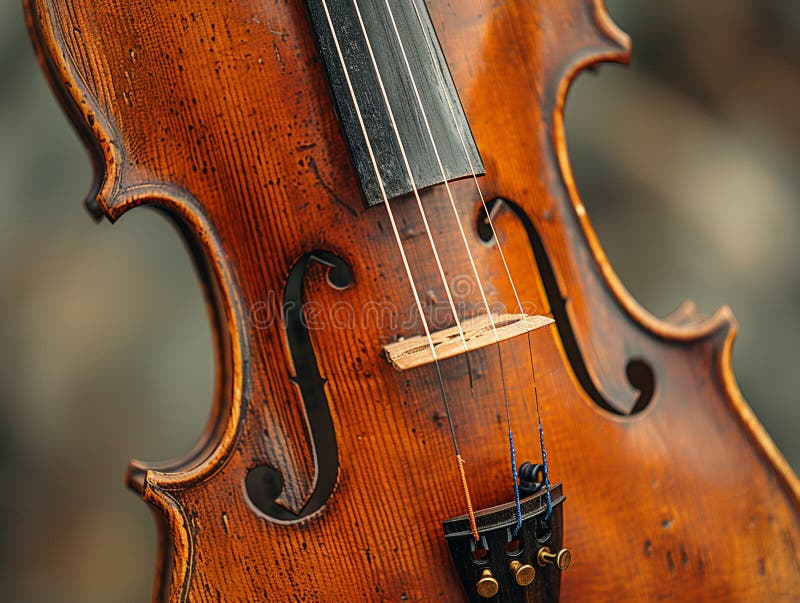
column 688, row 163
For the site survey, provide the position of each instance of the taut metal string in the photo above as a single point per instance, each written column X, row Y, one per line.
column 415, row 190
column 512, row 455
column 418, row 302
column 545, row 471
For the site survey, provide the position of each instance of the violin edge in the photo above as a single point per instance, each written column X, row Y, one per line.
column 111, row 199
column 721, row 323
column 83, row 113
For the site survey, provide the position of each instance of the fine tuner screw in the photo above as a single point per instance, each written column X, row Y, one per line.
column 561, row 560
column 523, row 573
column 487, row 586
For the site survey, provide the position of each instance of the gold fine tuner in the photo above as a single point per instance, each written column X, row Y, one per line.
column 487, row 585
column 561, row 560
column 522, row 572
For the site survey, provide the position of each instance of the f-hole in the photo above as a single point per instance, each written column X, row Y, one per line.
column 264, row 484
column 639, row 371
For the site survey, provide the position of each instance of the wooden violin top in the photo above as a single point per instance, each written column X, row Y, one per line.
column 325, row 473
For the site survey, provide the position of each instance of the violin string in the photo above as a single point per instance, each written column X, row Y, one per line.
column 409, row 274
column 440, row 268
column 545, row 469
column 412, row 79
column 409, row 173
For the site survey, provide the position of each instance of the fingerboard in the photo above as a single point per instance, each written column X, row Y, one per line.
column 399, row 109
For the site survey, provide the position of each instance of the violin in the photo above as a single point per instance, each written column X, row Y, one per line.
column 431, row 384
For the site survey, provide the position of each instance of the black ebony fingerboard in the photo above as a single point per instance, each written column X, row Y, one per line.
column 452, row 138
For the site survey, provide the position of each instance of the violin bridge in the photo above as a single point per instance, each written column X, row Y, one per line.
column 478, row 333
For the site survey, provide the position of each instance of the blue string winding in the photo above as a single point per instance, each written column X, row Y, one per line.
column 516, row 482
column 545, row 470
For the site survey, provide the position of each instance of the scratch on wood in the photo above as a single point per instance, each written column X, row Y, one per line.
column 312, row 164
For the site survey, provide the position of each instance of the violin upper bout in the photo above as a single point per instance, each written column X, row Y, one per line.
column 46, row 26
column 607, row 27
column 598, row 40
column 601, row 40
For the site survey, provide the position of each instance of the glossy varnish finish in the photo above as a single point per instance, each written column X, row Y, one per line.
column 219, row 113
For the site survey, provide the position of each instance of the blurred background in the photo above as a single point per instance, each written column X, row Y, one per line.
column 689, row 164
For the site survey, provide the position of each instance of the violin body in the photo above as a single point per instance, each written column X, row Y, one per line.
column 221, row 115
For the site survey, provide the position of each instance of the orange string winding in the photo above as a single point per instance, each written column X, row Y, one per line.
column 473, row 526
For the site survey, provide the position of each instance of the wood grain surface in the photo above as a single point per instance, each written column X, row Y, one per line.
column 219, row 114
